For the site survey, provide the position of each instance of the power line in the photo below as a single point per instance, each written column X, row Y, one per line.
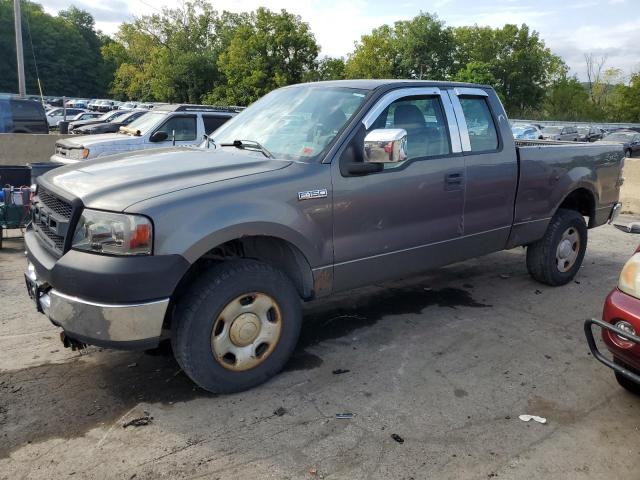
column 33, row 54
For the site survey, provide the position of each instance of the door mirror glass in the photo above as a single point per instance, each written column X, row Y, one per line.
column 158, row 137
column 386, row 145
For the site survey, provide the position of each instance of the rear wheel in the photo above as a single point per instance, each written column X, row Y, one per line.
column 556, row 258
column 237, row 326
column 627, row 153
column 625, row 382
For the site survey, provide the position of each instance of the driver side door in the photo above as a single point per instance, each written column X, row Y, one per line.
column 402, row 220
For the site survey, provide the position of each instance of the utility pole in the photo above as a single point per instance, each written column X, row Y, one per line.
column 17, row 19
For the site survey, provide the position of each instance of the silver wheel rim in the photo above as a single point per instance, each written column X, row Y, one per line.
column 568, row 249
column 247, row 331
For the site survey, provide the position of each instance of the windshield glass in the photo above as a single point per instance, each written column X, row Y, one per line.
column 295, row 123
column 619, row 137
column 552, row 129
column 146, row 122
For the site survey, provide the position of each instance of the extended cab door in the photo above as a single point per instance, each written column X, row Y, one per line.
column 491, row 168
column 401, row 220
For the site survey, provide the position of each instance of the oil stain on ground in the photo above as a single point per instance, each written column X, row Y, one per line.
column 336, row 321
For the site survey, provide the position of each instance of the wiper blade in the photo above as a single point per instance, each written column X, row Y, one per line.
column 249, row 144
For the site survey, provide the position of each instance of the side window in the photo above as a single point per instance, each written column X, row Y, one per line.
column 185, row 128
column 482, row 131
column 423, row 119
column 211, row 123
column 25, row 110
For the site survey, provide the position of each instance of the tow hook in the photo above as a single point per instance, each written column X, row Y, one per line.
column 72, row 343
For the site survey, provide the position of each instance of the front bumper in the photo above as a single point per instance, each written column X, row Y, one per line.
column 112, row 325
column 609, row 329
column 618, row 306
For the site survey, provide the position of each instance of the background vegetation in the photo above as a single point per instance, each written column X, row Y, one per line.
column 196, row 54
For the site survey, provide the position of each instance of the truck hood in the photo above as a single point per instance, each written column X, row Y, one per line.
column 89, row 140
column 119, row 181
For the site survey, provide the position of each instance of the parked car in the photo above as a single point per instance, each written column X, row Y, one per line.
column 620, row 323
column 629, row 139
column 85, row 116
column 306, row 193
column 526, row 132
column 589, row 133
column 568, row 133
column 77, row 103
column 111, row 126
column 154, row 130
column 105, row 105
column 102, row 117
column 57, row 115
column 18, row 115
column 128, row 106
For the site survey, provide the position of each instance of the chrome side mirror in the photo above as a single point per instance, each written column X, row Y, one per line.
column 386, row 145
column 628, row 228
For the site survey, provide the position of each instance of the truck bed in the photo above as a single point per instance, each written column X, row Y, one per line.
column 550, row 170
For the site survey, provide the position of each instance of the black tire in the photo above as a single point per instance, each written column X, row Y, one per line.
column 626, row 383
column 541, row 255
column 628, row 154
column 197, row 311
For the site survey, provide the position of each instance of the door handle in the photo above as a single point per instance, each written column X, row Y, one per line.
column 453, row 181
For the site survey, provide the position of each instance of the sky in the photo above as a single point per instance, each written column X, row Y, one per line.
column 570, row 28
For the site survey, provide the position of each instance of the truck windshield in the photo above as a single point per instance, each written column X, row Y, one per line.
column 295, row 123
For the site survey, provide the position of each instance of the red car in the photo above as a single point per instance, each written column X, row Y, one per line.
column 621, row 322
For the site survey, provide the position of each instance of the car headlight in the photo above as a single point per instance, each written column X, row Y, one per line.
column 629, row 281
column 113, row 233
column 78, row 153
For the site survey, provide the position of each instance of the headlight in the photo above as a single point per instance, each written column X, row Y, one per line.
column 113, row 233
column 629, row 281
column 78, row 153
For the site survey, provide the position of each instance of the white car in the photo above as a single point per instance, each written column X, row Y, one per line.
column 164, row 126
column 56, row 115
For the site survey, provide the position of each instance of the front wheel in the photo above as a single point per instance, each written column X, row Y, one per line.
column 556, row 258
column 627, row 153
column 237, row 326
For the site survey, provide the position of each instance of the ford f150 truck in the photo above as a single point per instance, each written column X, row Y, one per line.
column 314, row 189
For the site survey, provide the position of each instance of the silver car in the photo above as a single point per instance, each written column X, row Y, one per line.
column 567, row 133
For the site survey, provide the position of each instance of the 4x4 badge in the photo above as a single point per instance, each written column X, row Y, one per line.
column 311, row 194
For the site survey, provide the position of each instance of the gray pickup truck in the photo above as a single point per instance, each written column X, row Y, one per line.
column 314, row 189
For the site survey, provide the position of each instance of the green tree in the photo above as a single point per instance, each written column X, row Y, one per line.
column 375, row 56
column 271, row 50
column 523, row 67
column 169, row 56
column 425, row 48
column 66, row 48
column 567, row 99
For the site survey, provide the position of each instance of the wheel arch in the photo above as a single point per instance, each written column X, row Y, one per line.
column 275, row 251
column 582, row 200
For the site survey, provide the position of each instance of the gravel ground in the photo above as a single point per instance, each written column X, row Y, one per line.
column 447, row 362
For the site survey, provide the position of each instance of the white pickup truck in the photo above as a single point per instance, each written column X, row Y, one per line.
column 165, row 126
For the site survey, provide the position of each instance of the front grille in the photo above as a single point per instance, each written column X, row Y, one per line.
column 51, row 218
column 56, row 205
column 43, row 229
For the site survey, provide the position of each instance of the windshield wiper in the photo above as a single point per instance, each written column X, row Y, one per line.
column 249, row 144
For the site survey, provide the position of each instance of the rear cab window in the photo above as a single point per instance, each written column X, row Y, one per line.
column 212, row 122
column 483, row 135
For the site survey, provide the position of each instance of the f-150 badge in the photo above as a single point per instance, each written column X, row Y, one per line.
column 311, row 194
